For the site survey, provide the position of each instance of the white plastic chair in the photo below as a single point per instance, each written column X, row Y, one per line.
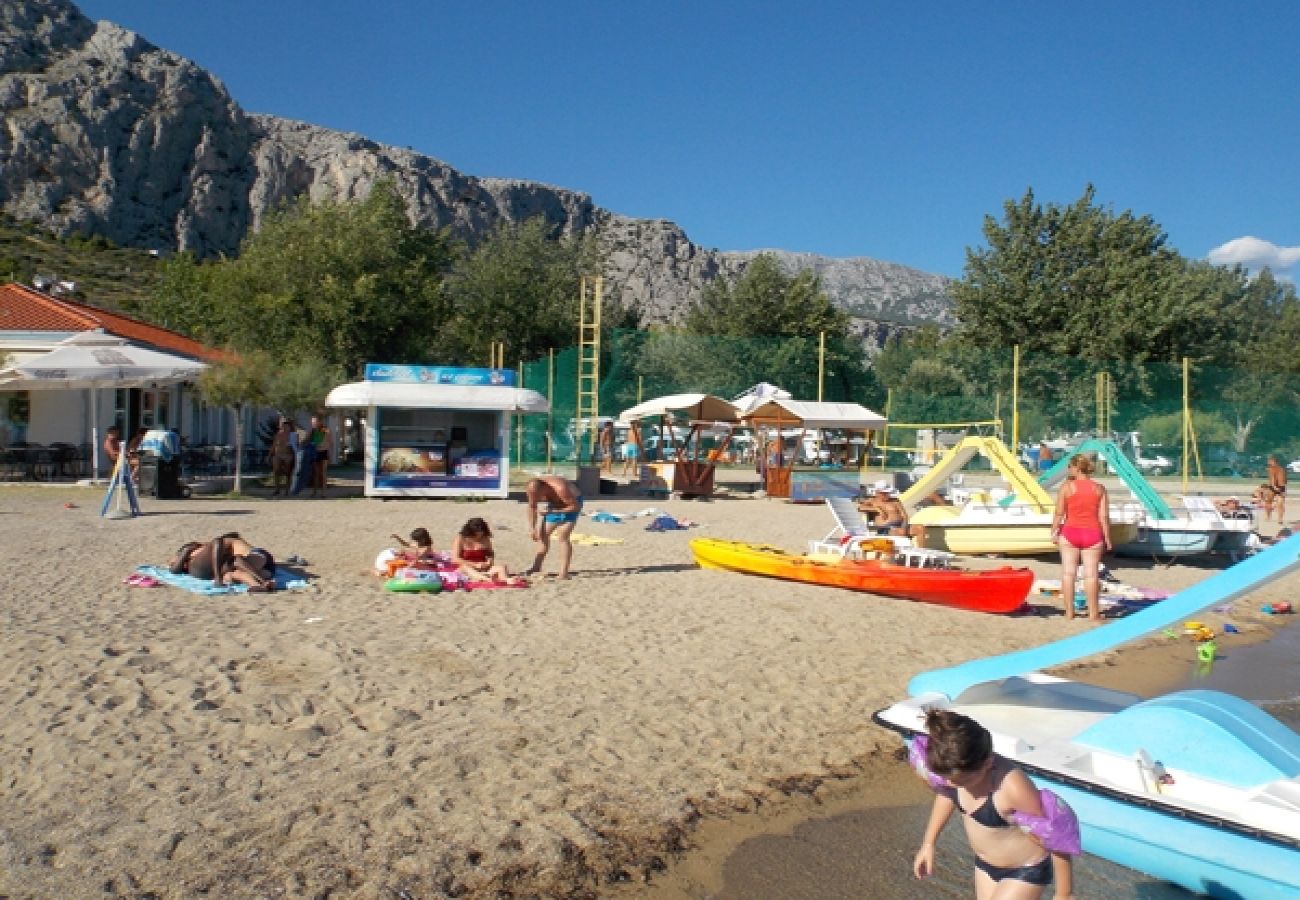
column 850, row 530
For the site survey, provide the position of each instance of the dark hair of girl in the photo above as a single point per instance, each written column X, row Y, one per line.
column 420, row 537
column 474, row 528
column 957, row 743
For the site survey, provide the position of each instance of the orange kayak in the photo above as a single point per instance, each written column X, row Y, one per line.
column 1001, row 590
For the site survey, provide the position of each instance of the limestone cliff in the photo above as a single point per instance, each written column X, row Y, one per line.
column 104, row 133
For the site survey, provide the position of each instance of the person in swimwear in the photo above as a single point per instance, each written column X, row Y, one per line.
column 1081, row 528
column 1277, row 481
column 987, row 789
column 473, row 555
column 228, row 559
column 563, row 506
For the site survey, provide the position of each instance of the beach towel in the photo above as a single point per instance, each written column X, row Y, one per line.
column 602, row 516
column 663, row 522
column 593, row 539
column 284, row 581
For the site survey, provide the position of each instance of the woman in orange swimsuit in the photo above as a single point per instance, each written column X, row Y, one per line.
column 1081, row 528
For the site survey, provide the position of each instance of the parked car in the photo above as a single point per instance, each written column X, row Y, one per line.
column 1152, row 462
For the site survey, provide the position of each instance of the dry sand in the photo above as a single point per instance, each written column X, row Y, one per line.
column 345, row 741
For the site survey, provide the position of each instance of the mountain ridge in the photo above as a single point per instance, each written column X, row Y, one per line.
column 107, row 134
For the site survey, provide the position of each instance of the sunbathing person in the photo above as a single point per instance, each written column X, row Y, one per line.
column 228, row 559
column 474, row 557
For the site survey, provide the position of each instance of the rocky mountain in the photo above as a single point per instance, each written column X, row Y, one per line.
column 106, row 134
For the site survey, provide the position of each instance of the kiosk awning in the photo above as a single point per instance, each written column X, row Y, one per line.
column 364, row 394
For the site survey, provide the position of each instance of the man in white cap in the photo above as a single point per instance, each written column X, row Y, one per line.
column 893, row 516
column 884, row 510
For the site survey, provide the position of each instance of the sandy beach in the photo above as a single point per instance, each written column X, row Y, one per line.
column 556, row 740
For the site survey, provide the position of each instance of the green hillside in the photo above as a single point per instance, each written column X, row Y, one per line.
column 105, row 275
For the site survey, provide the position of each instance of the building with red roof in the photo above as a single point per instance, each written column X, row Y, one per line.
column 33, row 322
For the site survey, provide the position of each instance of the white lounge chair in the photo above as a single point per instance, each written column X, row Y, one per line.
column 849, row 524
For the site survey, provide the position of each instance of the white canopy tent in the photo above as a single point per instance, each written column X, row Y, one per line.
column 94, row 360
column 779, row 478
column 758, row 395
column 687, row 473
column 695, row 407
column 784, row 411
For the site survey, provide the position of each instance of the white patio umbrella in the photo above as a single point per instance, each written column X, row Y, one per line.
column 93, row 360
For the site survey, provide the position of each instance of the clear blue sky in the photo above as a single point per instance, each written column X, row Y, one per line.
column 843, row 128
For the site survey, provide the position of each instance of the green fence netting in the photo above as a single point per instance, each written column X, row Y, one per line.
column 1238, row 415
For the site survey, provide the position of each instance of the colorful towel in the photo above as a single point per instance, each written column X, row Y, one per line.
column 284, row 581
column 593, row 539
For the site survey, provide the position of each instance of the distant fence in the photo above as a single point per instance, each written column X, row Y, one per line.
column 1236, row 414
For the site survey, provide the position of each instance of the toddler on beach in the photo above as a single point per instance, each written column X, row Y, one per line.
column 1023, row 838
column 419, row 547
column 473, row 555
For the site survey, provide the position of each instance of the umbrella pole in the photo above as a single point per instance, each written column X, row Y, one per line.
column 94, row 433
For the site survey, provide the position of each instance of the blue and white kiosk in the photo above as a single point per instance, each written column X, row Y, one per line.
column 436, row 431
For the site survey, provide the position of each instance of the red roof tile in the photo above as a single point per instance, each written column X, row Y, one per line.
column 25, row 309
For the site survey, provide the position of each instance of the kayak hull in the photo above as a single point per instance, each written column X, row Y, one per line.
column 1001, row 590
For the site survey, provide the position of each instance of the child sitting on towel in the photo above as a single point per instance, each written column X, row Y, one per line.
column 474, row 557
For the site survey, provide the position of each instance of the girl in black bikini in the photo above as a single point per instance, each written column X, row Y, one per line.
column 987, row 790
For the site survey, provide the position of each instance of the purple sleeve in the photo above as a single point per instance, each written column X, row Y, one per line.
column 916, row 759
column 1057, row 829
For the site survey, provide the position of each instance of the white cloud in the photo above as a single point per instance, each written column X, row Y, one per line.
column 1254, row 254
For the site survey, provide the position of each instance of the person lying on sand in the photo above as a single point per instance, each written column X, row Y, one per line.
column 224, row 560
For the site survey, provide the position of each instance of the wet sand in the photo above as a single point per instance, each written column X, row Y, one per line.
column 861, row 843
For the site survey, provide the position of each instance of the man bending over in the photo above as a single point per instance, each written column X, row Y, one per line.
column 563, row 504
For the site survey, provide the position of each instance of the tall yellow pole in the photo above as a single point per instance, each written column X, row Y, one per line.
column 821, row 363
column 1187, row 424
column 1015, row 399
column 640, row 381
column 884, row 434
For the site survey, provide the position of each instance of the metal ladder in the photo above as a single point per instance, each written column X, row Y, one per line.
column 590, row 293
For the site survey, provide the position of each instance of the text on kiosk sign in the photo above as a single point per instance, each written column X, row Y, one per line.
column 401, row 374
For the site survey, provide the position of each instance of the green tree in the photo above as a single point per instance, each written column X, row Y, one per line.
column 238, row 382
column 1080, row 288
column 342, row 282
column 792, row 312
column 520, row 287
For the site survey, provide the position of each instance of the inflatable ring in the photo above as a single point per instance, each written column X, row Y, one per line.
column 419, row 586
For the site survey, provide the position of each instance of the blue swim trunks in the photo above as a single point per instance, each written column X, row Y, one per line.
column 562, row 518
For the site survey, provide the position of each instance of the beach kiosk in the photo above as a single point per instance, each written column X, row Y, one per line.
column 690, row 469
column 437, row 431
column 811, row 485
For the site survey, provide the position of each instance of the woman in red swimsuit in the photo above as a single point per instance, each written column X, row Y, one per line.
column 473, row 555
column 1081, row 528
